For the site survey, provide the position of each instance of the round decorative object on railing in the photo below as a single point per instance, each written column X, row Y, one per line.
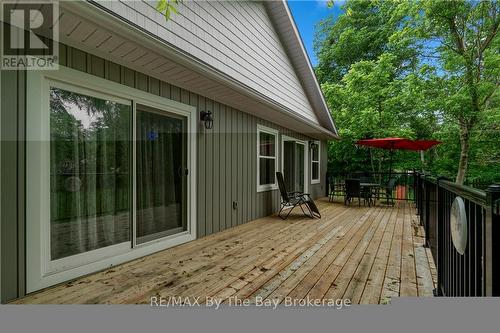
column 458, row 225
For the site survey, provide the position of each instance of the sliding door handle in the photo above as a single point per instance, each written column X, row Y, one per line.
column 179, row 172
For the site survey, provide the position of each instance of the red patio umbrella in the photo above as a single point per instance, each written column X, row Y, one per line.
column 398, row 143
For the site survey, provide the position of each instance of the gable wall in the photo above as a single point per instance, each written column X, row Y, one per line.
column 235, row 37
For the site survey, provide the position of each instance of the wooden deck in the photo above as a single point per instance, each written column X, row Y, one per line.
column 367, row 255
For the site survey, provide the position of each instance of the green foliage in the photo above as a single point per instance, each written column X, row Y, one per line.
column 363, row 32
column 485, row 153
column 398, row 68
column 167, row 7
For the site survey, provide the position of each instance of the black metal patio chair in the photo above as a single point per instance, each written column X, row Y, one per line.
column 353, row 190
column 293, row 199
column 336, row 188
column 389, row 190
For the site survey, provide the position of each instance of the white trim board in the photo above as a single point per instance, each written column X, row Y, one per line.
column 318, row 180
column 275, row 132
column 39, row 272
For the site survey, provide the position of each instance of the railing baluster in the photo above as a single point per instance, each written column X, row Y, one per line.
column 491, row 221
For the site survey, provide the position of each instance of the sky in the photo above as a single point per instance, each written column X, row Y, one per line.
column 306, row 14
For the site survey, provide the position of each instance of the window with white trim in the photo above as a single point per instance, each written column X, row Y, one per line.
column 315, row 162
column 267, row 158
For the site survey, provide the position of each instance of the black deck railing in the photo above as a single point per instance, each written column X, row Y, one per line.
column 404, row 188
column 476, row 271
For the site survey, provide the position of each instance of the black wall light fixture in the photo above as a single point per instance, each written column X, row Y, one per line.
column 207, row 118
column 312, row 144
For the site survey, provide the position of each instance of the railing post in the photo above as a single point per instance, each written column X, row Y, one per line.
column 491, row 225
column 419, row 191
column 416, row 190
column 439, row 240
column 425, row 199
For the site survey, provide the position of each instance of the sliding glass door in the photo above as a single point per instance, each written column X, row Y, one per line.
column 294, row 164
column 299, row 170
column 161, row 170
column 90, row 173
column 108, row 175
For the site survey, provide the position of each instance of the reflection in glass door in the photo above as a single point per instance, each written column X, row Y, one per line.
column 89, row 173
column 299, row 167
column 294, row 165
column 161, row 174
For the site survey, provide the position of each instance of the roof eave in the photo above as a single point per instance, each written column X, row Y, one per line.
column 93, row 10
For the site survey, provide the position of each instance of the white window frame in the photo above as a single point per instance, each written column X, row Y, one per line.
column 317, row 180
column 41, row 271
column 275, row 133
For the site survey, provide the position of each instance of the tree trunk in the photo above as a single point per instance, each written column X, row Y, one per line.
column 466, row 125
column 464, row 154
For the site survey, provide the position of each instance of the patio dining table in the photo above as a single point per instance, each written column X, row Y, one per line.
column 373, row 188
column 370, row 185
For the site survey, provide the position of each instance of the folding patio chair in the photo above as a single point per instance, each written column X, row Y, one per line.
column 293, row 199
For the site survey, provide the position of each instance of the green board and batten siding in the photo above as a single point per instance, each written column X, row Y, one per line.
column 226, row 160
column 12, row 178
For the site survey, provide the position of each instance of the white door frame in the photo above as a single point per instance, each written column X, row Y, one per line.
column 306, row 158
column 41, row 272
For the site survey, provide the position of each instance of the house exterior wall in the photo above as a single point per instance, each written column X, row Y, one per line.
column 319, row 190
column 12, row 99
column 223, row 35
column 226, row 160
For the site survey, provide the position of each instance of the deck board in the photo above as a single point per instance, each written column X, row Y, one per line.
column 408, row 271
column 374, row 282
column 340, row 286
column 365, row 254
column 392, row 278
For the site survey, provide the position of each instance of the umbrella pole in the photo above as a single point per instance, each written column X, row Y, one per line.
column 390, row 163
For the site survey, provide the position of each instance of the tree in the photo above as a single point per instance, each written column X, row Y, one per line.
column 467, row 33
column 366, row 30
column 367, row 66
column 371, row 101
column 391, row 68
